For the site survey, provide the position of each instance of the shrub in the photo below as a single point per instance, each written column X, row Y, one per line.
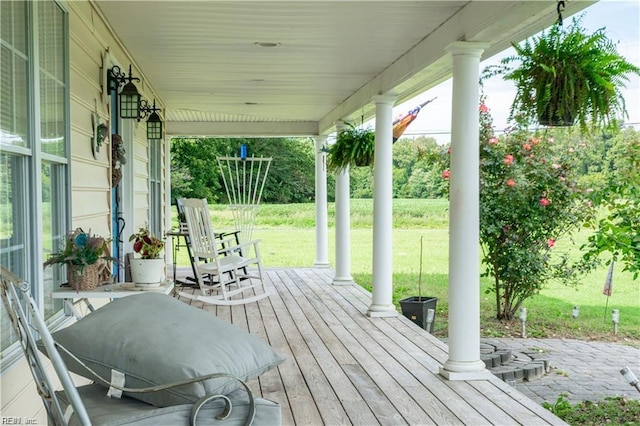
column 528, row 199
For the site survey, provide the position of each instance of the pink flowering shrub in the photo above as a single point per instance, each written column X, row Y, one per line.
column 528, row 199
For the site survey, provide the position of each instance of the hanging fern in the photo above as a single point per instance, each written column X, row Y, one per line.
column 354, row 147
column 565, row 74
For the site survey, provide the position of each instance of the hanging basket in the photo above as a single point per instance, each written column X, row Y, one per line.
column 549, row 118
column 84, row 278
column 364, row 161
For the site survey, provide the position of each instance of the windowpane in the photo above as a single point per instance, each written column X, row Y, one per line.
column 14, row 118
column 53, row 224
column 51, row 43
column 13, row 24
column 13, row 64
column 52, row 116
column 13, row 226
column 52, row 88
column 155, row 186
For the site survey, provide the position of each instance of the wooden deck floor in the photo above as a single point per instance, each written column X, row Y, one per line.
column 345, row 368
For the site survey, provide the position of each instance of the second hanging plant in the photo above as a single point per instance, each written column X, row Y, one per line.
column 354, row 147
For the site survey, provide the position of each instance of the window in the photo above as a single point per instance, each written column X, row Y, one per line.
column 34, row 146
column 155, row 186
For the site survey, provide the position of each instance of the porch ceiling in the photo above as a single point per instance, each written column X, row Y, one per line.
column 203, row 63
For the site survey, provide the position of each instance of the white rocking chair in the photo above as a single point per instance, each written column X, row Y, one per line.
column 224, row 267
column 89, row 404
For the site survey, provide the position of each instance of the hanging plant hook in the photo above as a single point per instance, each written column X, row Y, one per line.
column 559, row 10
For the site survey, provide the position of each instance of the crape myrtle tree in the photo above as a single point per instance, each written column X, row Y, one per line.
column 529, row 198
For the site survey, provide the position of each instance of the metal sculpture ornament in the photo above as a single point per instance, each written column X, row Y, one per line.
column 244, row 178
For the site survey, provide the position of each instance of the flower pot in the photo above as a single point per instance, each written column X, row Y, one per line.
column 416, row 309
column 84, row 277
column 147, row 272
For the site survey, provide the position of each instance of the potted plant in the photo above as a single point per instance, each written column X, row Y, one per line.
column 421, row 310
column 354, row 147
column 565, row 74
column 85, row 255
column 148, row 269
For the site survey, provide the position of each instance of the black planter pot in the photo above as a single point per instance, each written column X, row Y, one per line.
column 415, row 308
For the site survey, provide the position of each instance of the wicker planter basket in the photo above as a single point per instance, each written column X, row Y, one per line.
column 86, row 278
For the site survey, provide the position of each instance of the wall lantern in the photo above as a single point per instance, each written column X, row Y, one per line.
column 129, row 96
column 154, row 123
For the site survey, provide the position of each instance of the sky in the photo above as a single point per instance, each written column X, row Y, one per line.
column 621, row 20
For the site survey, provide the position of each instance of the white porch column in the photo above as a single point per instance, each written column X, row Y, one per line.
column 464, row 218
column 382, row 280
column 343, row 227
column 322, row 244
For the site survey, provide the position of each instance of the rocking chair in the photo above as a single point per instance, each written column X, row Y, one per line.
column 224, row 267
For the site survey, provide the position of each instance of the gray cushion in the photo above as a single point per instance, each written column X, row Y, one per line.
column 155, row 339
column 113, row 412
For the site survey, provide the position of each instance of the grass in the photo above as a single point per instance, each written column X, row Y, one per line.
column 288, row 239
column 611, row 411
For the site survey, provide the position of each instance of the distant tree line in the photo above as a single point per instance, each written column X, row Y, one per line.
column 418, row 165
column 195, row 172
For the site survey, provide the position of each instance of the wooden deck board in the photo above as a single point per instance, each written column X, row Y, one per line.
column 344, row 367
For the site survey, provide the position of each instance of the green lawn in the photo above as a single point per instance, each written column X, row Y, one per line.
column 288, row 239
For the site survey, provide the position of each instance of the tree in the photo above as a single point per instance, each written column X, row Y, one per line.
column 618, row 232
column 195, row 172
column 291, row 177
column 528, row 199
column 418, row 164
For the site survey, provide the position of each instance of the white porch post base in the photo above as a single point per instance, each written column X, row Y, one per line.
column 382, row 311
column 474, row 370
column 321, row 264
column 343, row 281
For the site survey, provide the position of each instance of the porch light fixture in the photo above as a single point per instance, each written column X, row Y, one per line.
column 154, row 123
column 129, row 96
